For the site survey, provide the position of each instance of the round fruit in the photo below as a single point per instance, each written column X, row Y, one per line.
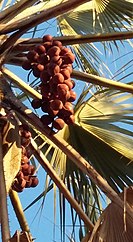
column 26, row 65
column 46, row 119
column 32, row 55
column 70, row 120
column 68, row 67
column 68, row 107
column 20, row 175
column 28, row 182
column 24, row 160
column 52, row 113
column 22, row 183
column 73, row 82
column 40, row 49
column 31, row 169
column 57, row 43
column 57, row 60
column 64, row 51
column 47, row 45
column 36, row 71
column 53, row 69
column 35, row 181
column 69, row 58
column 61, row 87
column 58, row 123
column 44, row 76
column 58, row 78
column 47, row 37
column 26, row 134
column 65, row 73
column 73, row 96
column 69, row 83
column 36, row 103
column 17, row 187
column 43, row 59
column 45, row 106
column 56, row 104
column 53, row 51
column 25, row 169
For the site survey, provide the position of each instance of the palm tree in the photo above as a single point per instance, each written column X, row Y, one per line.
column 87, row 162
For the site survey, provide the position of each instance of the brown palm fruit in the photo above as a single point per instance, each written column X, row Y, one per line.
column 56, row 104
column 57, row 43
column 25, row 141
column 40, row 49
column 25, row 169
column 53, row 51
column 58, row 123
column 67, row 66
column 20, row 175
column 62, row 87
column 45, row 106
column 64, row 51
column 73, row 82
column 53, row 86
column 22, row 183
column 24, row 160
column 36, row 71
column 57, row 60
column 43, row 59
column 63, row 92
column 17, row 187
column 69, row 83
column 73, row 96
column 32, row 55
column 52, row 112
column 46, row 119
column 45, row 91
column 65, row 73
column 47, row 38
column 69, row 120
column 44, row 76
column 26, row 134
column 28, row 181
column 58, row 78
column 47, row 45
column 53, row 69
column 68, row 109
column 68, row 58
column 35, row 181
column 36, row 103
column 31, row 170
column 26, row 65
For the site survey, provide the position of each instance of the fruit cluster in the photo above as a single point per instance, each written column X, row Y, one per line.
column 25, row 177
column 52, row 63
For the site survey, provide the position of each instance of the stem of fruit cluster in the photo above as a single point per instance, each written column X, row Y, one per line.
column 19, row 212
column 102, row 81
column 82, row 164
column 25, row 44
column 3, row 199
column 48, row 168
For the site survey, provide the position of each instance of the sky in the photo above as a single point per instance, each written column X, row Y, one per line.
column 41, row 220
